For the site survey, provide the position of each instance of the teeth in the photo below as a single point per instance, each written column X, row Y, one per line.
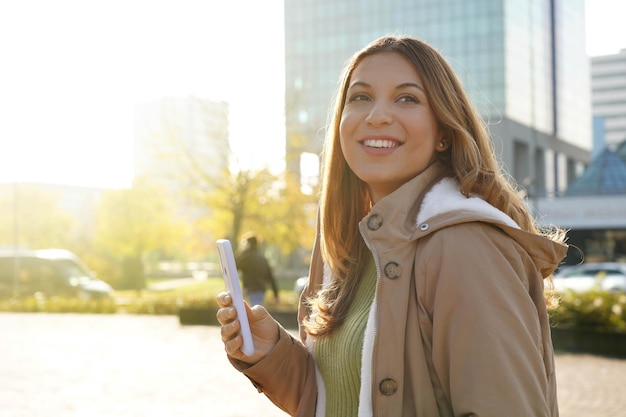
column 379, row 143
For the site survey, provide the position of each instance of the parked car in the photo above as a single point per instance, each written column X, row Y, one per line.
column 603, row 276
column 51, row 272
column 299, row 285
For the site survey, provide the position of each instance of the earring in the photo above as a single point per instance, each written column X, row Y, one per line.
column 442, row 144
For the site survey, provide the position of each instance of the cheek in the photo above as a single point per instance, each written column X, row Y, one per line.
column 345, row 130
column 344, row 124
column 429, row 132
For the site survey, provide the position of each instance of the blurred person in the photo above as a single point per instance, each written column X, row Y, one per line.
column 426, row 292
column 256, row 272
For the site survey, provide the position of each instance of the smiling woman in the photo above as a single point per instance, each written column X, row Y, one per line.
column 385, row 87
column 411, row 192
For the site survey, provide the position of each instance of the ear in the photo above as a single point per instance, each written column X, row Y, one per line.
column 442, row 143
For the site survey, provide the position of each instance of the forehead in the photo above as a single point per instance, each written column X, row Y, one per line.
column 385, row 66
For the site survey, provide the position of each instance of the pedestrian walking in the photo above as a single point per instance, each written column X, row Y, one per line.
column 256, row 272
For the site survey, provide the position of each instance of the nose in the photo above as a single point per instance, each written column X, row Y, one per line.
column 379, row 114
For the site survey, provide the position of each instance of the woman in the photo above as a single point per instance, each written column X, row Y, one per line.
column 426, row 289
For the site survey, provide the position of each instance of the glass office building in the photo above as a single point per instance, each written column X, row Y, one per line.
column 608, row 92
column 522, row 61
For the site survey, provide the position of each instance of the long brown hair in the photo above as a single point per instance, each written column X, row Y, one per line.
column 345, row 199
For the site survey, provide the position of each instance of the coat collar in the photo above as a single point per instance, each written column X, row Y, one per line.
column 432, row 200
column 431, row 194
column 401, row 207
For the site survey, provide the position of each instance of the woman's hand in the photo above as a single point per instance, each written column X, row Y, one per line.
column 263, row 327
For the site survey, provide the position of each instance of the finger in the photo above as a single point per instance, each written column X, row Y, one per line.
column 256, row 312
column 224, row 299
column 233, row 346
column 226, row 315
column 229, row 331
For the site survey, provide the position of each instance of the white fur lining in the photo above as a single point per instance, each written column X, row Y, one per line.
column 445, row 197
column 320, row 407
column 365, row 395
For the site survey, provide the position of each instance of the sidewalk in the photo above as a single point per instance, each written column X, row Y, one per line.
column 138, row 366
column 591, row 386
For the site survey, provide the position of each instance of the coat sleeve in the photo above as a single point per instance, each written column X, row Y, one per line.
column 484, row 296
column 286, row 376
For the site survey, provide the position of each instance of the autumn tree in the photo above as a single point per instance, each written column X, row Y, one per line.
column 31, row 217
column 259, row 201
column 133, row 225
column 225, row 199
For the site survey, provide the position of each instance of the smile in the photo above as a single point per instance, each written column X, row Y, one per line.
column 380, row 143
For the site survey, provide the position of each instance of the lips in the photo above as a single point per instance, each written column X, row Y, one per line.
column 381, row 143
column 379, row 146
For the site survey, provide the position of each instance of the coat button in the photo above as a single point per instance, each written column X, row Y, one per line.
column 424, row 227
column 392, row 270
column 388, row 386
column 374, row 222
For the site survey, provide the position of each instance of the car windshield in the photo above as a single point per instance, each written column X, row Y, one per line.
column 592, row 272
column 70, row 269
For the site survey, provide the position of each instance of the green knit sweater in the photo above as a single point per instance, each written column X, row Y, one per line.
column 338, row 356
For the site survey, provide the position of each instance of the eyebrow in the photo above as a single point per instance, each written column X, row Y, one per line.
column 398, row 87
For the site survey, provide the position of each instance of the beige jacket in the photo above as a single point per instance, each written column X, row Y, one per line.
column 458, row 326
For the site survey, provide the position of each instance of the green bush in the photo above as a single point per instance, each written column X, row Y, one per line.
column 158, row 305
column 40, row 304
column 600, row 311
column 196, row 295
column 162, row 305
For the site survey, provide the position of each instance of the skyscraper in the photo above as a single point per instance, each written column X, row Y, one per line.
column 522, row 61
column 608, row 93
column 172, row 126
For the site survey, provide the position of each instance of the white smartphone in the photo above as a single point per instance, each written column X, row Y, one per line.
column 231, row 279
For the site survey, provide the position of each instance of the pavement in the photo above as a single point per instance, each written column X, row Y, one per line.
column 74, row 365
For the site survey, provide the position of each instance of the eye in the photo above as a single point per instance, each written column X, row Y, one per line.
column 358, row 97
column 408, row 98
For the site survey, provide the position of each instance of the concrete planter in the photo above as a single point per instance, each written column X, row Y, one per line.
column 206, row 316
column 197, row 316
column 288, row 319
column 567, row 340
column 589, row 341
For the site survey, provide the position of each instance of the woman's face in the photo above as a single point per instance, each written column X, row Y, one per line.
column 388, row 132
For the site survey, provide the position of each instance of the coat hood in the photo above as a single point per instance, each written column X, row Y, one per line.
column 432, row 200
column 444, row 205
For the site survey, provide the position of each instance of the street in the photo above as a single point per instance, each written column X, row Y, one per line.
column 150, row 366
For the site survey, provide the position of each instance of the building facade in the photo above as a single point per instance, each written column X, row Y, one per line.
column 593, row 210
column 608, row 93
column 168, row 129
column 520, row 61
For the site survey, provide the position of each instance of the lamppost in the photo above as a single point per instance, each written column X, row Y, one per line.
column 16, row 259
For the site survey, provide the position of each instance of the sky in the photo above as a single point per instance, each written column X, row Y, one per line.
column 73, row 70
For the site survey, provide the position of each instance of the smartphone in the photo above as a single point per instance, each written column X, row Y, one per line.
column 231, row 279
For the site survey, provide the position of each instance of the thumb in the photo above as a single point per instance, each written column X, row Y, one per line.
column 256, row 313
